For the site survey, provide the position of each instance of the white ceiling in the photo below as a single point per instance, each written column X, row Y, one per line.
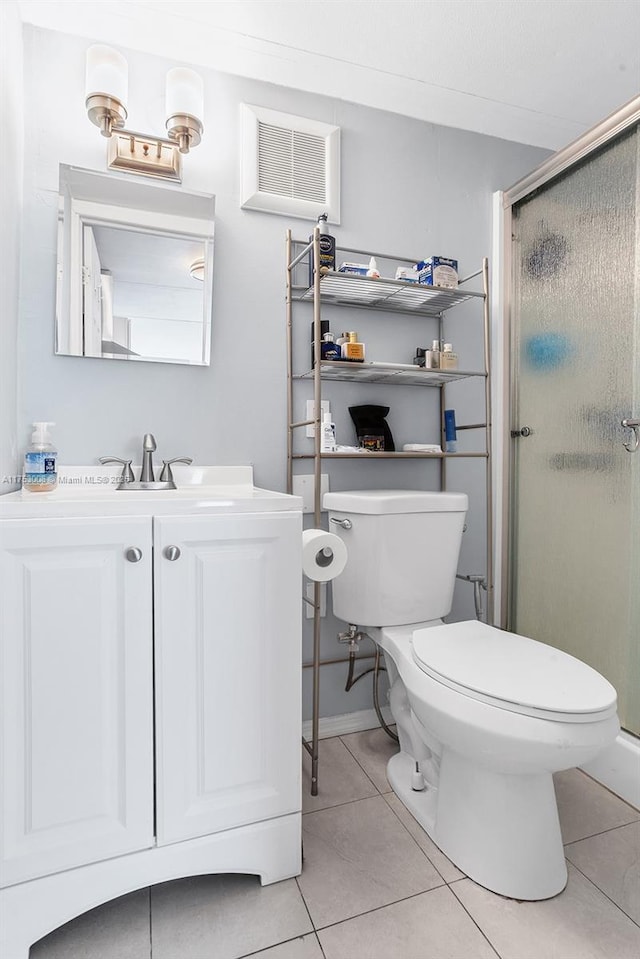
column 535, row 71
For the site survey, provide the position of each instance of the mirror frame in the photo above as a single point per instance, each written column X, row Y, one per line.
column 76, row 212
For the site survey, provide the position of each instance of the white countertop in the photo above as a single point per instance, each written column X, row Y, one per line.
column 91, row 491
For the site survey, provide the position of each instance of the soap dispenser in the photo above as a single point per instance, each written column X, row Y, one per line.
column 40, row 473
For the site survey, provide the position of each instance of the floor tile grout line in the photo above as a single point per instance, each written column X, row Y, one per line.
column 356, row 758
column 602, row 832
column 414, row 838
column 320, row 946
column 256, row 952
column 337, row 805
column 610, row 791
column 384, row 905
column 474, row 921
column 349, row 802
column 605, row 894
column 313, row 925
column 357, row 763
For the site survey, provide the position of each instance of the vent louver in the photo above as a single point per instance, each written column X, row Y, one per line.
column 290, row 165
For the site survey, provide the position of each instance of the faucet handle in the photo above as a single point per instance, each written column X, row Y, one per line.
column 166, row 476
column 127, row 472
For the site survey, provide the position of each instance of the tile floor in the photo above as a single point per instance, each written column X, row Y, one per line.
column 374, row 886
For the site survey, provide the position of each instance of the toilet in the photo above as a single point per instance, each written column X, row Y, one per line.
column 484, row 717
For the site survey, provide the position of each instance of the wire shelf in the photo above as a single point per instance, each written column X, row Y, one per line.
column 400, row 296
column 391, row 374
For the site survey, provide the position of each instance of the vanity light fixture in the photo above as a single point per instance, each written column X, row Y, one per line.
column 196, row 270
column 106, row 103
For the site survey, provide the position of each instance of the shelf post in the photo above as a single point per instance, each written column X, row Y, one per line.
column 488, row 429
column 289, row 314
column 317, row 472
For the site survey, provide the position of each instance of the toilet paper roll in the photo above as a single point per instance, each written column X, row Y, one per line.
column 324, row 555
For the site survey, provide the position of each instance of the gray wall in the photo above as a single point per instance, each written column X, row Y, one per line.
column 11, row 160
column 407, row 187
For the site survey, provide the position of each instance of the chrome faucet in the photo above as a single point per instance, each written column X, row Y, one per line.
column 147, row 479
column 148, row 448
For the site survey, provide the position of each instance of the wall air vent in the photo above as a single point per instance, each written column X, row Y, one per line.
column 290, row 165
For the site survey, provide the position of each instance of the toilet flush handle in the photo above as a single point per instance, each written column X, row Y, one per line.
column 345, row 523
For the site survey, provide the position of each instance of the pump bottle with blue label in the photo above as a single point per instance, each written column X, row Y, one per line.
column 40, row 467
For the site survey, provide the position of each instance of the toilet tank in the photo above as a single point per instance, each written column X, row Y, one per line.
column 403, row 548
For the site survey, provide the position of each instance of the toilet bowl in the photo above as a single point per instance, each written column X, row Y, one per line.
column 488, row 801
column 484, row 717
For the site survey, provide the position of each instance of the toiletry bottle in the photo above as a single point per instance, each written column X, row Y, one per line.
column 328, row 434
column 340, row 341
column 353, row 350
column 433, row 356
column 448, row 359
column 329, row 350
column 40, row 473
column 373, row 268
column 324, row 328
column 450, row 434
column 327, row 249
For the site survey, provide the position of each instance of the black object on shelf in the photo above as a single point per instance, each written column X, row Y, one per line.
column 370, row 422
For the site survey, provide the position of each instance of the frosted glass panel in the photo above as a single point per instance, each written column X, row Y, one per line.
column 576, row 354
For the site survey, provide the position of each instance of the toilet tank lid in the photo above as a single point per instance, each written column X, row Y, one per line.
column 382, row 501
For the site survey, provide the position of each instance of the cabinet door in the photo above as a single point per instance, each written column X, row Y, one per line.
column 228, row 665
column 77, row 736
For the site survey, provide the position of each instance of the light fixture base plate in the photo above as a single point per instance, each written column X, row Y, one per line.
column 150, row 156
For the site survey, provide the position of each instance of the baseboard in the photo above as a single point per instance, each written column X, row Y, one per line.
column 618, row 768
column 346, row 723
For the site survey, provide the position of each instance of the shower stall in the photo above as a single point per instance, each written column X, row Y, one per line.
column 571, row 553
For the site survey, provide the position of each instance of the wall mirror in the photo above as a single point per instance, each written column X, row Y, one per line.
column 135, row 270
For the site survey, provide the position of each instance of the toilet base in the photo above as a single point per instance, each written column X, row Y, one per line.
column 501, row 830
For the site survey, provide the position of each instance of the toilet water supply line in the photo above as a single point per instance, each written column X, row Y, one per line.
column 479, row 583
column 353, row 636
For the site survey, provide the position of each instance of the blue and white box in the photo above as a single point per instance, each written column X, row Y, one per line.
column 438, row 271
column 359, row 269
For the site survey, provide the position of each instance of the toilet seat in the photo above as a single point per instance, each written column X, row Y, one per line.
column 513, row 672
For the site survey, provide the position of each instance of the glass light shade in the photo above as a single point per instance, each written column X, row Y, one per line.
column 185, row 93
column 107, row 73
column 196, row 270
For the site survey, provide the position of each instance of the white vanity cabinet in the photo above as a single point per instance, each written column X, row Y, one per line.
column 151, row 687
column 75, row 620
column 227, row 656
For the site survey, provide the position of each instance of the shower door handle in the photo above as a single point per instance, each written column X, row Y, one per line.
column 634, row 442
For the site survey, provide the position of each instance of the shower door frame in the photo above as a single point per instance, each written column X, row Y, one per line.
column 505, row 402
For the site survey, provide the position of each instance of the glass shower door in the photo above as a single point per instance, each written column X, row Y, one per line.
column 575, row 579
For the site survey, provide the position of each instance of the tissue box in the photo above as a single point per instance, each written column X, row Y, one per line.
column 438, row 271
column 360, row 269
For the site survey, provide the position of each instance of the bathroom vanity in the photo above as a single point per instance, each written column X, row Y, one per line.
column 151, row 690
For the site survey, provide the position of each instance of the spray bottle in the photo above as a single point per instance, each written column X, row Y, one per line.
column 327, row 249
column 40, row 472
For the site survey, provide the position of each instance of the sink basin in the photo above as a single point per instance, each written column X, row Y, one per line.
column 92, row 491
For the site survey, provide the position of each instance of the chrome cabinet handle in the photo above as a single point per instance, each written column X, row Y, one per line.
column 133, row 554
column 634, row 442
column 172, row 553
column 345, row 523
